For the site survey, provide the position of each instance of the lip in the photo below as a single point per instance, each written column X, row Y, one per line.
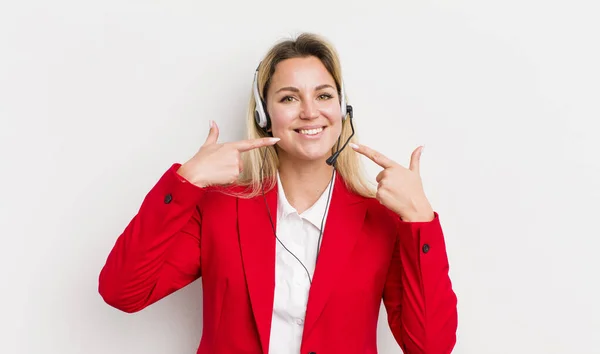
column 310, row 127
column 310, row 137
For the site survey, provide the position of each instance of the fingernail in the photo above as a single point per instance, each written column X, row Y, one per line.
column 422, row 148
column 353, row 145
column 210, row 124
column 275, row 139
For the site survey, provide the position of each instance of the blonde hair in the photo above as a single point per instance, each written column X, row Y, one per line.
column 348, row 164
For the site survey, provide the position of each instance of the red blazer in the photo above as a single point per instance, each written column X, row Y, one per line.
column 183, row 232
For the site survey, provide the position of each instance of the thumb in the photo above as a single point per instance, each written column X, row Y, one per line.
column 213, row 134
column 415, row 160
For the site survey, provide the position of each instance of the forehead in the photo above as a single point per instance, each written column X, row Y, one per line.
column 307, row 71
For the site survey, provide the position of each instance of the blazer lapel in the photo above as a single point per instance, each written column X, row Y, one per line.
column 342, row 230
column 257, row 243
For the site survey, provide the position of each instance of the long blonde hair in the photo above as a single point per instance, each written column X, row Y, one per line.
column 348, row 164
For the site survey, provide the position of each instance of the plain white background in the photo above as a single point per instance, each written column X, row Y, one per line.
column 98, row 98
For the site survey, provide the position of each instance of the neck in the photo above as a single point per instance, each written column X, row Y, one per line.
column 304, row 181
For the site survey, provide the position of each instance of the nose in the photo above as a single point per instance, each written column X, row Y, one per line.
column 309, row 110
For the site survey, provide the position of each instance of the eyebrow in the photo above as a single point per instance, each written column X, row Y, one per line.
column 294, row 89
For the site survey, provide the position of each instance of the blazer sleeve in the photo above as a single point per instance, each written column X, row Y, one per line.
column 159, row 250
column 420, row 302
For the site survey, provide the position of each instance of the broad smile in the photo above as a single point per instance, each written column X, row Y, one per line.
column 310, row 132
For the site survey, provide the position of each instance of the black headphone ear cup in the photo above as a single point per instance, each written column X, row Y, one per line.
column 261, row 117
column 267, row 118
column 257, row 117
column 349, row 111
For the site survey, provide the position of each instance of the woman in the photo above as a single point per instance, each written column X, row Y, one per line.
column 295, row 251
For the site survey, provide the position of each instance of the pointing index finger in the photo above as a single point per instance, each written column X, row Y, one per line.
column 373, row 155
column 250, row 144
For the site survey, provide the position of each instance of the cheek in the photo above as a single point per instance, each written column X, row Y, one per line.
column 336, row 130
column 333, row 113
column 281, row 117
column 331, row 110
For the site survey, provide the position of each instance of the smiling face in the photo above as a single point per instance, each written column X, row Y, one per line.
column 304, row 106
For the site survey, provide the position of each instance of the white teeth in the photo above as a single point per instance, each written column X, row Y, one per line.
column 310, row 131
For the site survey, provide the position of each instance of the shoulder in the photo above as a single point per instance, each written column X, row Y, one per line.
column 380, row 214
column 376, row 214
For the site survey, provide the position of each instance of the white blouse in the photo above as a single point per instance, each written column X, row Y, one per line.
column 300, row 234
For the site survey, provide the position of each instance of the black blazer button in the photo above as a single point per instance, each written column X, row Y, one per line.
column 425, row 248
column 168, row 198
column 312, row 353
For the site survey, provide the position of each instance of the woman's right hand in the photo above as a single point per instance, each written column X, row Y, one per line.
column 219, row 163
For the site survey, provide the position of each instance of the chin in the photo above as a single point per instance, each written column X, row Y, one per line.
column 314, row 157
column 312, row 153
column 295, row 151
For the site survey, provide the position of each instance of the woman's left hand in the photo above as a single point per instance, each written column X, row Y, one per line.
column 400, row 189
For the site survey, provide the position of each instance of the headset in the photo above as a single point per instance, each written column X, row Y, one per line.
column 261, row 116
